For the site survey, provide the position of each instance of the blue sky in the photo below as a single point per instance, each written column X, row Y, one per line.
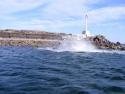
column 105, row 17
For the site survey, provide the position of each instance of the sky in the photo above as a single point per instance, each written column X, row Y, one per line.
column 106, row 17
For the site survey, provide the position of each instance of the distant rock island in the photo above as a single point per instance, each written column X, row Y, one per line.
column 11, row 37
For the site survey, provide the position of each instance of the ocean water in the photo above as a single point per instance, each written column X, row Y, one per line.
column 25, row 70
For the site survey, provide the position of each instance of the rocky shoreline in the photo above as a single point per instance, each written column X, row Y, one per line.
column 102, row 43
column 28, row 42
column 11, row 37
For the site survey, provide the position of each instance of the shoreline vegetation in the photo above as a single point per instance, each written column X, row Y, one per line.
column 12, row 37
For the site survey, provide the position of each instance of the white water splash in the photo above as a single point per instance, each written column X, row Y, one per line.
column 79, row 45
column 76, row 46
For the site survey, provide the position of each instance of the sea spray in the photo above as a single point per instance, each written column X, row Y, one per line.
column 76, row 46
column 77, row 43
column 82, row 46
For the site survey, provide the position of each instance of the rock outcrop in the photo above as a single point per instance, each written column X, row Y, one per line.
column 102, row 43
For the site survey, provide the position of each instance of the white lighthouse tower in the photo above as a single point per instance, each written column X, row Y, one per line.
column 86, row 32
column 86, row 23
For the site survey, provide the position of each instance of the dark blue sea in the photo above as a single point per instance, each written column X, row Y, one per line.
column 25, row 70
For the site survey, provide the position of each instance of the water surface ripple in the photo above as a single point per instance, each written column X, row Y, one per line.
column 26, row 70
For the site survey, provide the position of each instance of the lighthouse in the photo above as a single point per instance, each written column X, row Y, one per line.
column 85, row 32
column 86, row 22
